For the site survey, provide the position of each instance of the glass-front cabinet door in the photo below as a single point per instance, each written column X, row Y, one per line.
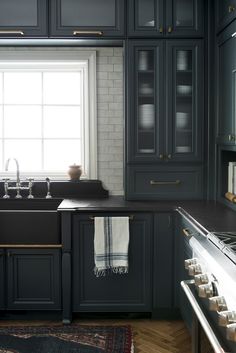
column 146, row 97
column 185, row 88
column 184, row 17
column 23, row 18
column 155, row 18
column 90, row 18
column 146, row 17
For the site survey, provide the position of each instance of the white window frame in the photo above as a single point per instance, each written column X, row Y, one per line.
column 71, row 56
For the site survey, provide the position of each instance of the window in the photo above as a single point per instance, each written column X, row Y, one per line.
column 47, row 111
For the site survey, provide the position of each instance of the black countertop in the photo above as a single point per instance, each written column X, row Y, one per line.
column 213, row 216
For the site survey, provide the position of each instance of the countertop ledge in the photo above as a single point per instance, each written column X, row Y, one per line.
column 213, row 216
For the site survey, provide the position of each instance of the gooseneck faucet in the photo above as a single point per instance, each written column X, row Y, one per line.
column 18, row 186
column 17, row 169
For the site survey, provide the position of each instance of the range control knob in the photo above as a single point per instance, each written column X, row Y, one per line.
column 194, row 270
column 217, row 304
column 189, row 262
column 231, row 332
column 201, row 279
column 227, row 317
column 206, row 290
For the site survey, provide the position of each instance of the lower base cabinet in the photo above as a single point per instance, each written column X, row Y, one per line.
column 131, row 292
column 2, row 279
column 163, row 266
column 32, row 279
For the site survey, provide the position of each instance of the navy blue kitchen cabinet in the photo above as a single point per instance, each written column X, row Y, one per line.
column 163, row 265
column 226, row 85
column 171, row 18
column 2, row 280
column 165, row 110
column 131, row 292
column 225, row 13
column 90, row 18
column 23, row 18
column 33, row 279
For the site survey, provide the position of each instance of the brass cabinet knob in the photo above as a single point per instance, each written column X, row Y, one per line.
column 161, row 156
column 161, row 29
column 169, row 156
column 231, row 8
column 169, row 30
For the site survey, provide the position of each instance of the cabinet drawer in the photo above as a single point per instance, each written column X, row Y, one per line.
column 147, row 182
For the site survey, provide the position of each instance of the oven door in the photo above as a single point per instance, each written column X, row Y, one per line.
column 204, row 338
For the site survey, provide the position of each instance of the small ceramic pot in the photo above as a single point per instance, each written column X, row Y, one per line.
column 75, row 172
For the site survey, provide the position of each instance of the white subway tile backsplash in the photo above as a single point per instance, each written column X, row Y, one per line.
column 110, row 118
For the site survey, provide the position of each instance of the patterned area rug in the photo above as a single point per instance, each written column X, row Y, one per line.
column 66, row 339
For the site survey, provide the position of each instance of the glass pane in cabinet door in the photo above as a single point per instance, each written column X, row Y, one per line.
column 146, row 11
column 184, row 13
column 145, row 99
column 184, row 102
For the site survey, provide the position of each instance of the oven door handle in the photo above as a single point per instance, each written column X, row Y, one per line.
column 201, row 317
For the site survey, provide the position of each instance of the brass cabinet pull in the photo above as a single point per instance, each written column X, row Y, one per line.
column 231, row 8
column 169, row 29
column 156, row 182
column 169, row 156
column 187, row 232
column 161, row 29
column 161, row 156
column 31, row 246
column 96, row 33
column 21, row 33
column 231, row 137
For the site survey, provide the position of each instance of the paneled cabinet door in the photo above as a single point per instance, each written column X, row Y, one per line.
column 129, row 292
column 158, row 18
column 185, row 95
column 145, row 133
column 226, row 133
column 225, row 13
column 2, row 280
column 163, row 279
column 33, row 279
column 165, row 113
column 23, row 18
column 89, row 18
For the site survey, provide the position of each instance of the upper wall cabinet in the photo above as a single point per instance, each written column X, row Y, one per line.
column 172, row 18
column 226, row 132
column 225, row 13
column 23, row 18
column 87, row 18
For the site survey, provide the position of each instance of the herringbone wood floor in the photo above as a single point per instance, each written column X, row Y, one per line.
column 150, row 336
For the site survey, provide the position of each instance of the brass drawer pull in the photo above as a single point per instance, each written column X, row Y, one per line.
column 169, row 29
column 32, row 246
column 186, row 232
column 78, row 33
column 161, row 29
column 131, row 217
column 156, row 182
column 21, row 33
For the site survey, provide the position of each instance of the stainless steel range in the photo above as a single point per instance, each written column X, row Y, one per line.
column 212, row 290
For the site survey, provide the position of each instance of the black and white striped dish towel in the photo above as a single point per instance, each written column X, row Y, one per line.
column 111, row 244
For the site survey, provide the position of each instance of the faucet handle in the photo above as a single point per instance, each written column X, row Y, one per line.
column 31, row 182
column 48, row 196
column 6, row 196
